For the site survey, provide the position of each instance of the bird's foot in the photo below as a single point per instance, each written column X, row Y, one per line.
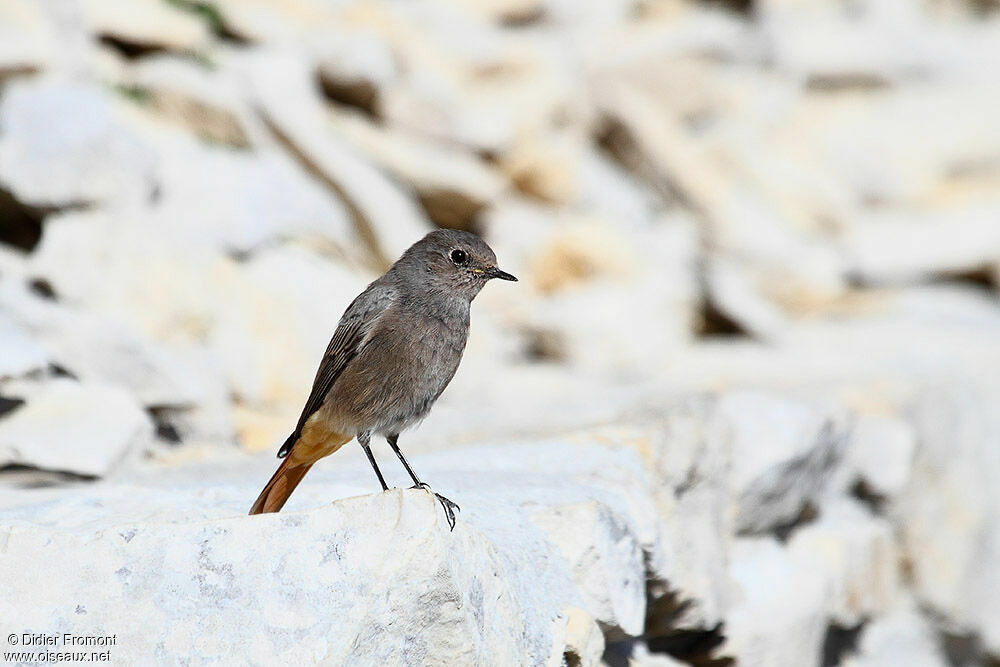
column 449, row 506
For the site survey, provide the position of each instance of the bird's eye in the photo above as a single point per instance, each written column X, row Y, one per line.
column 458, row 256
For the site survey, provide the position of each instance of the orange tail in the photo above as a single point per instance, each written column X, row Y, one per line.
column 282, row 483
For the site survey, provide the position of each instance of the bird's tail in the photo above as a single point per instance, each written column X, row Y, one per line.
column 280, row 487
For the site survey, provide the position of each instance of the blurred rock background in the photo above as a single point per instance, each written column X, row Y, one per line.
column 759, row 240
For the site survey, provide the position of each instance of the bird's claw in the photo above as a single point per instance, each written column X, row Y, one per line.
column 449, row 510
column 449, row 506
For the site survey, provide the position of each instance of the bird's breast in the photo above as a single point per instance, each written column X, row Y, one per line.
column 402, row 370
column 427, row 360
column 431, row 353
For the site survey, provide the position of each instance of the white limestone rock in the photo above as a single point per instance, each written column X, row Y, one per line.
column 355, row 57
column 901, row 636
column 453, row 185
column 732, row 290
column 592, row 276
column 878, row 43
column 546, row 166
column 370, row 578
column 121, row 266
column 236, row 200
column 687, row 448
column 905, row 176
column 957, row 325
column 270, row 330
column 781, row 615
column 148, row 23
column 768, row 260
column 902, row 246
column 281, row 86
column 66, row 143
column 584, row 640
column 21, row 353
column 469, row 83
column 205, row 101
column 67, row 426
column 374, row 579
column 26, row 39
column 875, row 43
column 636, row 653
column 880, row 453
column 101, row 350
column 949, row 513
column 858, row 552
column 264, row 21
column 610, row 568
column 266, row 321
column 604, row 188
column 784, row 453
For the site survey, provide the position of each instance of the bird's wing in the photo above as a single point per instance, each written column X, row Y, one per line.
column 347, row 341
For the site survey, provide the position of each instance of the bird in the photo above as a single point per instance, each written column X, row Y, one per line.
column 395, row 349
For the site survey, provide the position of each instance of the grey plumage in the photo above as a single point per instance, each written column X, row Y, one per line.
column 394, row 351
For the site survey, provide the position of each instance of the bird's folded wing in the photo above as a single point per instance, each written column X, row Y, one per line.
column 352, row 331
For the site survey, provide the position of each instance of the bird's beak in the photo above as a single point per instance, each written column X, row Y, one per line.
column 494, row 272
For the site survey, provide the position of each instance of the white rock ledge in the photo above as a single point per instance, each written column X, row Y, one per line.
column 370, row 579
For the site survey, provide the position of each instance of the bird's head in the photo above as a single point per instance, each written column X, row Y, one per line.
column 451, row 261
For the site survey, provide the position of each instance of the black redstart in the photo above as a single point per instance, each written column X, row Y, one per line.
column 395, row 349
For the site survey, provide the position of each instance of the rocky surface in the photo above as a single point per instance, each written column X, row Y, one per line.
column 539, row 564
column 740, row 406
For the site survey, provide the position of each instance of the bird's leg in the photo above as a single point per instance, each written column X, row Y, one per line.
column 449, row 506
column 365, row 438
column 417, row 484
